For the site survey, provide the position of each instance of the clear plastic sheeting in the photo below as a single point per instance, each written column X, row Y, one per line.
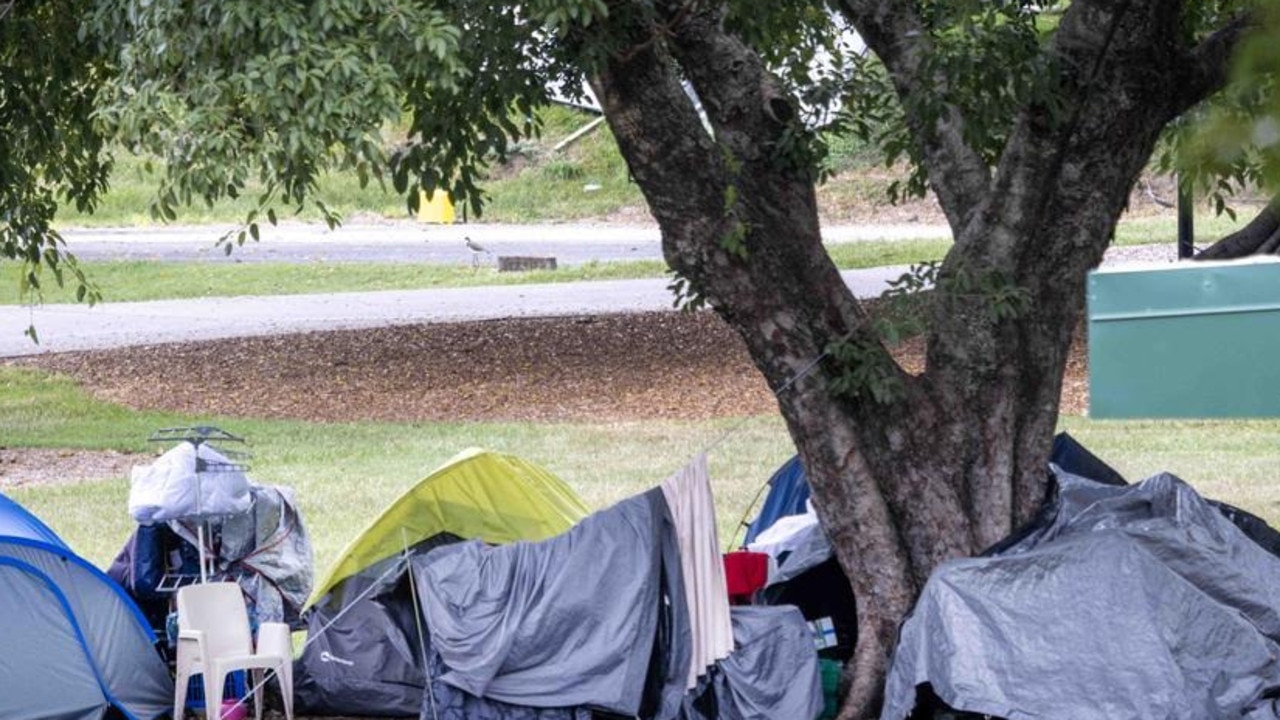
column 1132, row 602
column 266, row 549
column 169, row 489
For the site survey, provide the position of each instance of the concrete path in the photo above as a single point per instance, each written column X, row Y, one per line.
column 77, row 327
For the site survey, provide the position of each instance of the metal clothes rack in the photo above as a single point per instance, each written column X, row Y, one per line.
column 236, row 462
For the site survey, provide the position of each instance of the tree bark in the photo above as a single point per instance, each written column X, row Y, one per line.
column 943, row 464
column 1260, row 236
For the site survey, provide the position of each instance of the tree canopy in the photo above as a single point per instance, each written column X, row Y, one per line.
column 52, row 151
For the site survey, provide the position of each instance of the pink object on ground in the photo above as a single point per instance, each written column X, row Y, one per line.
column 233, row 711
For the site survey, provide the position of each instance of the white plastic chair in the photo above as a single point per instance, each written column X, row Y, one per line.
column 214, row 639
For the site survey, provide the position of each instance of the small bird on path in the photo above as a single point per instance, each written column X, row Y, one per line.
column 476, row 250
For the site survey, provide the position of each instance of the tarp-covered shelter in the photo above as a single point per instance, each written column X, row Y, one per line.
column 808, row 575
column 627, row 613
column 571, row 621
column 1142, row 601
column 365, row 655
column 1114, row 601
column 264, row 547
column 72, row 643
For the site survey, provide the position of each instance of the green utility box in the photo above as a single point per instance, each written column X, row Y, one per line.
column 1192, row 340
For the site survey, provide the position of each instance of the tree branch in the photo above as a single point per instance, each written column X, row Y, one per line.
column 672, row 159
column 735, row 216
column 1248, row 240
column 752, row 118
column 1208, row 65
column 898, row 37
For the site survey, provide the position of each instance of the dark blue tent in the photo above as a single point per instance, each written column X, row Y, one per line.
column 73, row 645
column 788, row 492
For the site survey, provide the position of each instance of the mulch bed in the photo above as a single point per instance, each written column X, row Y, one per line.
column 593, row 369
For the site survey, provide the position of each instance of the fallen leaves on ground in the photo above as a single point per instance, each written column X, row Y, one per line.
column 645, row 366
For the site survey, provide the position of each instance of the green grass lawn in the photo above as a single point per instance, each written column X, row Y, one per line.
column 345, row 473
column 1208, row 227
column 586, row 180
column 127, row 281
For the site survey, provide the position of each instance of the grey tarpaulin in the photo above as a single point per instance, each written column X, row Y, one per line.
column 363, row 654
column 567, row 622
column 445, row 702
column 773, row 672
column 1134, row 602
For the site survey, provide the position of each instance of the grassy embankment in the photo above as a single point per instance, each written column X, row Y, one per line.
column 539, row 185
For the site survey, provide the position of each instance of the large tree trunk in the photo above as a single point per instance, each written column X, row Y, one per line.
column 907, row 471
column 1260, row 237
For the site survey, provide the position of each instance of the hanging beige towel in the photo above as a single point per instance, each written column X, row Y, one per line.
column 688, row 496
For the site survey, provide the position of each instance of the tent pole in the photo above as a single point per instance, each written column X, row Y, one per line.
column 417, row 619
column 204, row 575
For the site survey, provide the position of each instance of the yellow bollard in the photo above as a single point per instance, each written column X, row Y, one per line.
column 438, row 208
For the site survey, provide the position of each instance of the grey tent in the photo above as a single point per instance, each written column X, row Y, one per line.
column 1138, row 602
column 73, row 646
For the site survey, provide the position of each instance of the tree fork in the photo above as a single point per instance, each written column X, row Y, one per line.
column 788, row 303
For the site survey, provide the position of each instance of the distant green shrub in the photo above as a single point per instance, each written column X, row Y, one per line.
column 562, row 170
column 847, row 151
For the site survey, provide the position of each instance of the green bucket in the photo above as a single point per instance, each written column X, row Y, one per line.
column 830, row 688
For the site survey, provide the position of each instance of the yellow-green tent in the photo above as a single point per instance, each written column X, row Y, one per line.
column 479, row 494
column 364, row 653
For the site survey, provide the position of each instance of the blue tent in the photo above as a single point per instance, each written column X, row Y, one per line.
column 72, row 643
column 788, row 492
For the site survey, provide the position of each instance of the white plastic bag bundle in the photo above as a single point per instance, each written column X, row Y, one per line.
column 167, row 489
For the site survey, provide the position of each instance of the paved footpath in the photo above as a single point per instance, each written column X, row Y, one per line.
column 78, row 327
